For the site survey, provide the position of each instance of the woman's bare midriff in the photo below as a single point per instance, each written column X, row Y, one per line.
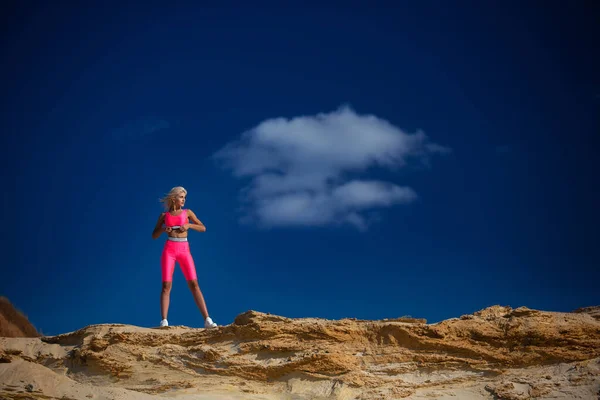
column 175, row 233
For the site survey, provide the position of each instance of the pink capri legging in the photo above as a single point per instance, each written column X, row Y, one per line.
column 180, row 252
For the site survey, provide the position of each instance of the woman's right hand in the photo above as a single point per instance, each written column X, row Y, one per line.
column 168, row 229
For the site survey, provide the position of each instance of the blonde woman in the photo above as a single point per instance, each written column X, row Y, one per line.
column 175, row 222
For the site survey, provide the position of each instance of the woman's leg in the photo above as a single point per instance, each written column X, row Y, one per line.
column 189, row 271
column 198, row 298
column 165, row 296
column 167, row 262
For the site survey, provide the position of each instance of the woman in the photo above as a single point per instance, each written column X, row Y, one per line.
column 175, row 221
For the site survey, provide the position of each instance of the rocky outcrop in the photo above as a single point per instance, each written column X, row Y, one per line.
column 496, row 353
column 13, row 323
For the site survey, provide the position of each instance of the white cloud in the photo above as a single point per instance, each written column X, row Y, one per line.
column 300, row 169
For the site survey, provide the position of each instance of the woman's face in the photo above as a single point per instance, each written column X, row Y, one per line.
column 179, row 200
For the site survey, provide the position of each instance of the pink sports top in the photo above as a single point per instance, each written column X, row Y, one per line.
column 179, row 220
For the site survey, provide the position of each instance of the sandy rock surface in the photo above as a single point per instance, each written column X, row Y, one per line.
column 496, row 353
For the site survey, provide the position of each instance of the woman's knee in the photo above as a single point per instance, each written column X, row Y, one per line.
column 166, row 287
column 193, row 284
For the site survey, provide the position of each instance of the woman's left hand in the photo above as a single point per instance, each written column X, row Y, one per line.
column 184, row 227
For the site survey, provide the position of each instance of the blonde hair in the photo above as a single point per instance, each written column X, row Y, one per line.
column 169, row 198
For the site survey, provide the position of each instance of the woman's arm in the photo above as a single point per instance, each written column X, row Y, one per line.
column 158, row 229
column 197, row 225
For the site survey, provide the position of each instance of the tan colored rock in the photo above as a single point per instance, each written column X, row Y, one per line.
column 593, row 311
column 13, row 323
column 499, row 351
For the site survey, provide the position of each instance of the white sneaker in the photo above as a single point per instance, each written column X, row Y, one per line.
column 164, row 322
column 208, row 323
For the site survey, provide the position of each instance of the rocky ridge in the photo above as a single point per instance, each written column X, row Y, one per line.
column 496, row 353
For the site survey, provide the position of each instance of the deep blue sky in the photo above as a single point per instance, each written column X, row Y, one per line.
column 509, row 217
